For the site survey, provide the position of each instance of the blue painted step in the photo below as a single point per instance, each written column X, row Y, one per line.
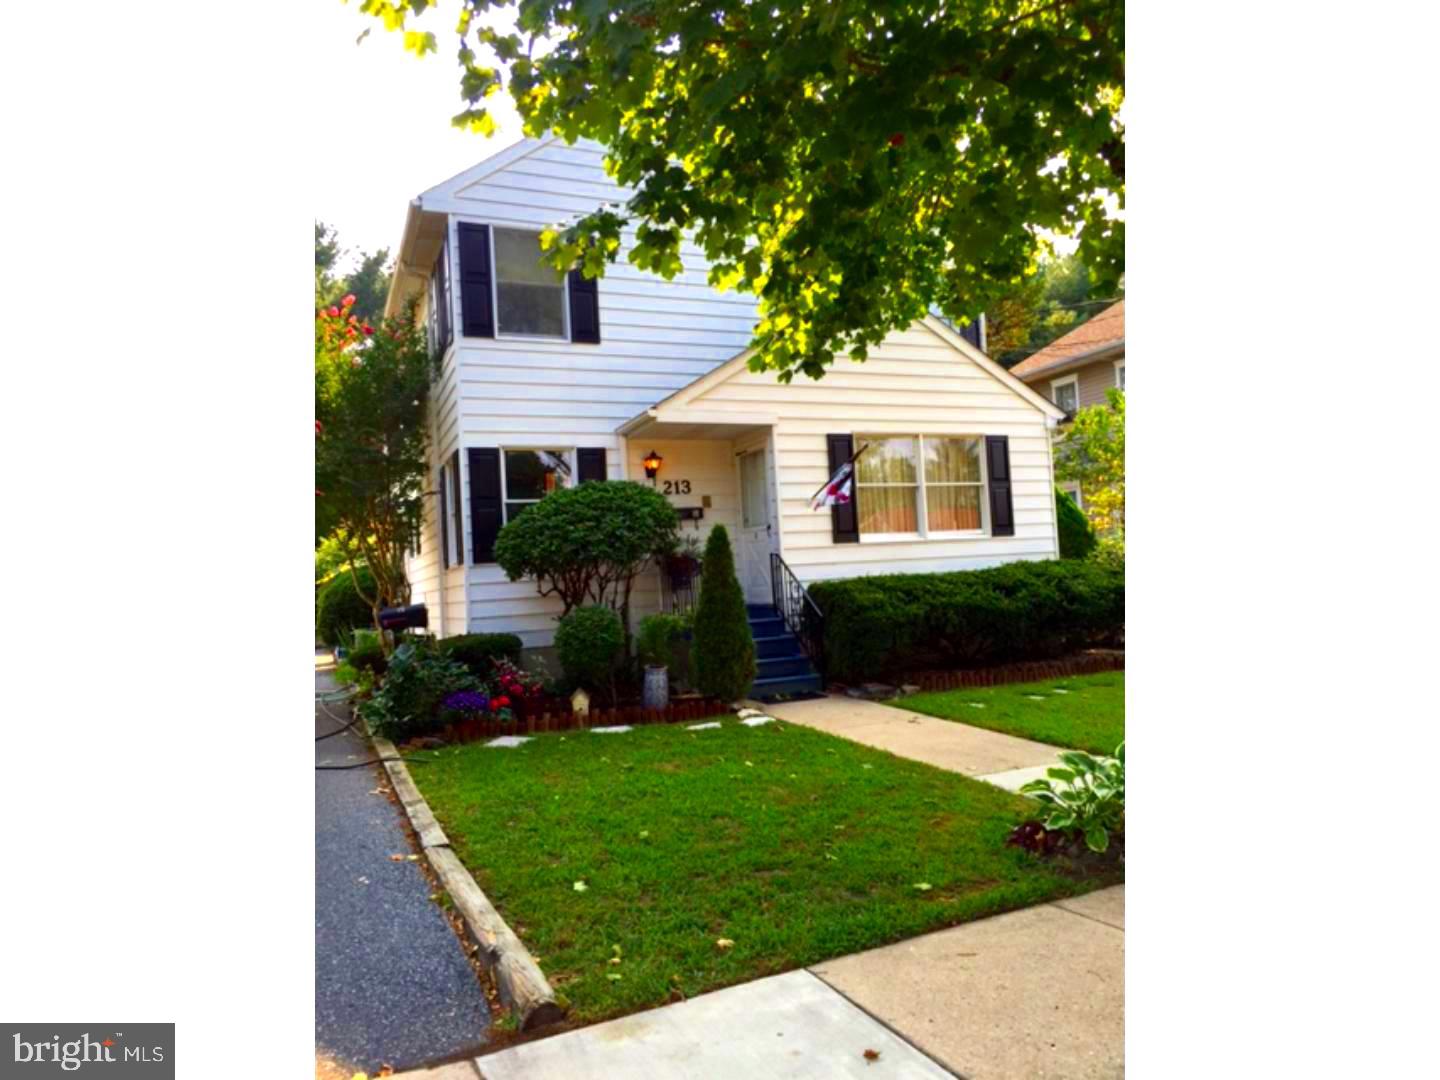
column 781, row 664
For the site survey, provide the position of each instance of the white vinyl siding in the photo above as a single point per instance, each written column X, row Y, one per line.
column 657, row 336
column 914, row 382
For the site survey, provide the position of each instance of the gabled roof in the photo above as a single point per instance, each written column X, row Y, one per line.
column 496, row 161
column 681, row 399
column 1091, row 339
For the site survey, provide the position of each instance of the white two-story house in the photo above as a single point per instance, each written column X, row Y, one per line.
column 547, row 383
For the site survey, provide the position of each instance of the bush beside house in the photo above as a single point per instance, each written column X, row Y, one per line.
column 591, row 641
column 478, row 652
column 1077, row 536
column 339, row 609
column 878, row 626
column 724, row 651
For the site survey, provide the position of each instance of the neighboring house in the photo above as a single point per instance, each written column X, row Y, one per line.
column 1076, row 370
column 548, row 383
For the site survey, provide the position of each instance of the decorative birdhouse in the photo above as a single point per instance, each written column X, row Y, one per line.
column 580, row 703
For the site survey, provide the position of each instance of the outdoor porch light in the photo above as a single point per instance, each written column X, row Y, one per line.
column 652, row 464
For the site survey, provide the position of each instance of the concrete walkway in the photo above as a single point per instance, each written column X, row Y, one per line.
column 945, row 744
column 1037, row 993
column 392, row 985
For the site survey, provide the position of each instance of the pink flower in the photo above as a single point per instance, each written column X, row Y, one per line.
column 347, row 300
column 318, row 428
column 367, row 328
column 334, row 312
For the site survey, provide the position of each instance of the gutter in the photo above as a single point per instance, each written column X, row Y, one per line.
column 635, row 421
column 1099, row 352
column 407, row 241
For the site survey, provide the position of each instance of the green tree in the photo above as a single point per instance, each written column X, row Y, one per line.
column 371, row 386
column 723, row 654
column 1092, row 453
column 586, row 544
column 852, row 164
column 368, row 282
column 1055, row 300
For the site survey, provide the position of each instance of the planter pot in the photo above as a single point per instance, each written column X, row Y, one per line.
column 656, row 694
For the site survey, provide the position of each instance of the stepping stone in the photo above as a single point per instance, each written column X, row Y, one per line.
column 975, row 704
column 1057, row 690
column 509, row 741
column 756, row 721
column 703, row 727
column 745, row 713
column 1035, row 697
column 613, row 730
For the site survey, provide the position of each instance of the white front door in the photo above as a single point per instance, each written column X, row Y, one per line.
column 756, row 539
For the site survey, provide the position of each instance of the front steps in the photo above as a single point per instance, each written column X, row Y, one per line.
column 781, row 664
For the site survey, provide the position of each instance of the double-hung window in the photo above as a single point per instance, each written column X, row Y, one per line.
column 530, row 475
column 530, row 296
column 919, row 485
column 1120, row 376
column 1066, row 393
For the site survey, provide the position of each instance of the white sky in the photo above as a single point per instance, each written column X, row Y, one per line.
column 399, row 107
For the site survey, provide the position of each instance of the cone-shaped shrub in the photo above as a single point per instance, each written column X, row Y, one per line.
column 1077, row 537
column 723, row 655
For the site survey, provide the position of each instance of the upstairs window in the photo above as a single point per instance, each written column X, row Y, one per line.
column 529, row 296
column 530, row 475
column 1120, row 376
column 1066, row 393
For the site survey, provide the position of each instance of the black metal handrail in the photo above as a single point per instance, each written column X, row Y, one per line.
column 802, row 616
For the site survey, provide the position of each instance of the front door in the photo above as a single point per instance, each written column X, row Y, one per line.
column 756, row 538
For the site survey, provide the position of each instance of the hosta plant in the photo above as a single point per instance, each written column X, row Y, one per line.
column 1085, row 797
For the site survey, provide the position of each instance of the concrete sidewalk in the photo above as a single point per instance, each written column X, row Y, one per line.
column 1033, row 993
column 945, row 744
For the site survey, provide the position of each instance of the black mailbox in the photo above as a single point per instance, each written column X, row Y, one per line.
column 404, row 618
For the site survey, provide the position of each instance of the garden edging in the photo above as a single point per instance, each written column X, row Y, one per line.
column 518, row 978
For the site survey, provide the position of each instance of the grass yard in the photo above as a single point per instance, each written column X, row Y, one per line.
column 795, row 845
column 1088, row 713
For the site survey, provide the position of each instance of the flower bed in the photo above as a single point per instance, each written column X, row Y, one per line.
column 555, row 714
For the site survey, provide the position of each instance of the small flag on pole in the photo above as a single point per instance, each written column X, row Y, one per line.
column 839, row 489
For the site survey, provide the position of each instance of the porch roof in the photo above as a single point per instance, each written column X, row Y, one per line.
column 671, row 420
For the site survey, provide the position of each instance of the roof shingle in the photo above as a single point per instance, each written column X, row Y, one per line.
column 1107, row 328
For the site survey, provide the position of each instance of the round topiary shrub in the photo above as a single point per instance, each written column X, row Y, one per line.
column 339, row 609
column 723, row 653
column 1077, row 537
column 590, row 641
column 478, row 652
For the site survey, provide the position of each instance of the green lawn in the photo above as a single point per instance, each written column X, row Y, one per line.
column 1090, row 715
column 795, row 845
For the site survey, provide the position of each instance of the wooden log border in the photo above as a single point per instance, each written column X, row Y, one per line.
column 1030, row 671
column 521, row 984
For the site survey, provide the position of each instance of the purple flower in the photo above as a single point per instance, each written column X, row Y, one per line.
column 467, row 701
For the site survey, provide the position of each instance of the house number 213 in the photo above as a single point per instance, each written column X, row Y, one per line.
column 677, row 487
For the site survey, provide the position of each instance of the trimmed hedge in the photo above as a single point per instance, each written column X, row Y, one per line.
column 1077, row 536
column 368, row 657
column 478, row 652
column 889, row 623
column 339, row 608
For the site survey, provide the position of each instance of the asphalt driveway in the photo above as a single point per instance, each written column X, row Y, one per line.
column 392, row 986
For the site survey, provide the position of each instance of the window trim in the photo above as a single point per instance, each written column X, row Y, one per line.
column 1066, row 380
column 1120, row 375
column 569, row 453
column 1072, row 488
column 922, row 508
column 511, row 335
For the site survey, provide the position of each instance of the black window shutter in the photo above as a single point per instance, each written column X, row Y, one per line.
column 442, row 295
column 592, row 463
column 844, row 518
column 477, row 309
column 1002, row 507
column 584, row 309
column 971, row 331
column 459, row 511
column 484, row 502
column 443, row 517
